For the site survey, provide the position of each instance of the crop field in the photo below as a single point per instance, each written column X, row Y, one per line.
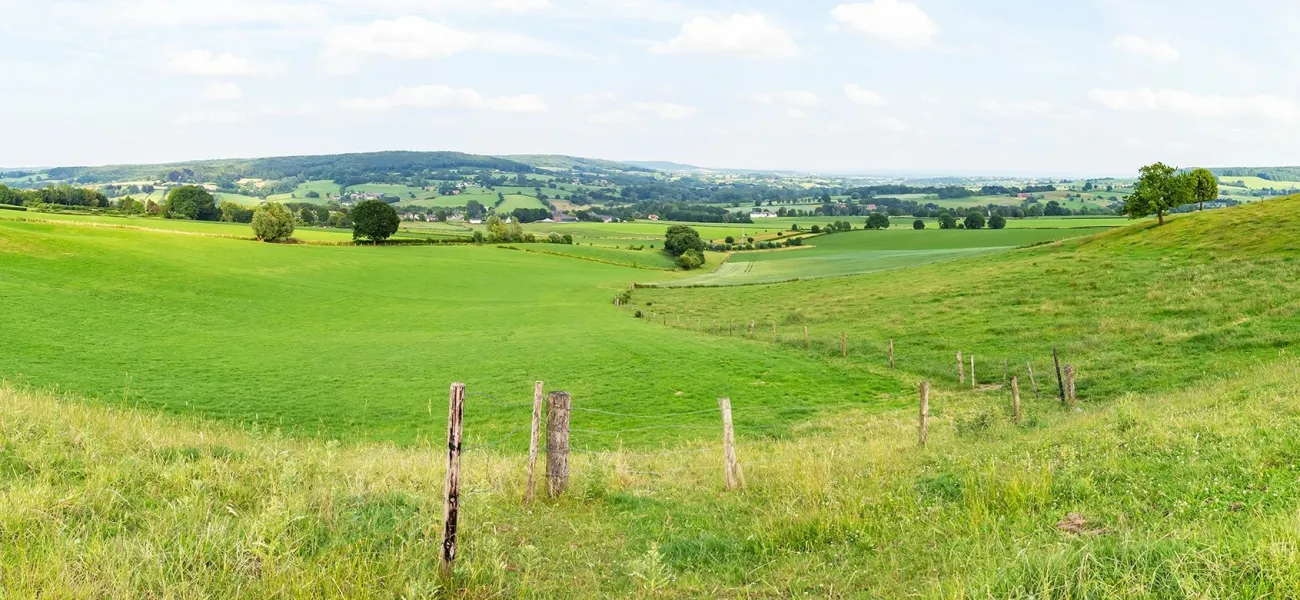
column 1256, row 183
column 514, row 201
column 855, row 252
column 235, row 419
column 239, row 230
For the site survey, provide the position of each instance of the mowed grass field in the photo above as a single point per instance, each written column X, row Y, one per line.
column 1175, row 477
column 357, row 342
column 210, row 228
column 854, row 252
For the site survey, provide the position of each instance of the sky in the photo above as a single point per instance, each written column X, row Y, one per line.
column 996, row 87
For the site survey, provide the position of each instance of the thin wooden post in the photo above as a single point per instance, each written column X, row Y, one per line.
column 1015, row 398
column 1060, row 380
column 805, row 336
column 751, row 328
column 925, row 412
column 532, row 444
column 891, row 353
column 844, row 344
column 557, row 443
column 451, row 491
column 1069, row 385
column 961, row 369
column 715, row 326
column 734, row 477
column 973, row 383
column 1030, row 365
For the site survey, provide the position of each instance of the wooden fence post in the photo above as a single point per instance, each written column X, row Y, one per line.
column 731, row 328
column 751, row 328
column 891, row 353
column 735, row 478
column 973, row 383
column 532, row 444
column 1015, row 398
column 1060, row 381
column 1069, row 385
column 844, row 344
column 557, row 443
column 925, row 412
column 1030, row 365
column 451, row 492
column 961, row 369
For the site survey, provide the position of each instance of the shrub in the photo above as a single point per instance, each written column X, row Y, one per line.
column 974, row 220
column 691, row 259
column 816, row 229
column 918, row 224
column 374, row 220
column 272, row 222
column 947, row 221
column 730, row 240
column 478, row 237
column 231, row 212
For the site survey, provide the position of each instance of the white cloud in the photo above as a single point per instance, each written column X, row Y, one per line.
column 207, row 64
column 1034, row 108
column 445, row 97
column 416, row 38
column 1144, row 47
column 893, row 124
column 1186, row 104
column 520, row 6
column 211, row 117
column 223, row 90
column 666, row 111
column 790, row 97
column 795, row 113
column 893, row 21
column 860, row 95
column 615, row 117
column 748, row 36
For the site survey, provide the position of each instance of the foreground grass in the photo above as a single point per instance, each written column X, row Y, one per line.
column 1191, row 494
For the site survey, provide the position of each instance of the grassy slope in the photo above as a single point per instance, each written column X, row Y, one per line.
column 1137, row 309
column 357, row 341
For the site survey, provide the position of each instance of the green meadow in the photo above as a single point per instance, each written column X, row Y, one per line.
column 195, row 416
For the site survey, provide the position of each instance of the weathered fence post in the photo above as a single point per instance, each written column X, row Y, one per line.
column 973, row 383
column 451, row 492
column 961, row 369
column 532, row 444
column 1060, row 380
column 735, row 478
column 1015, row 398
column 715, row 326
column 731, row 328
column 1069, row 385
column 891, row 353
column 844, row 344
column 925, row 412
column 557, row 443
column 1030, row 365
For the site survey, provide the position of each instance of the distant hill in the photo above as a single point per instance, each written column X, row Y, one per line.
column 671, row 167
column 1267, row 173
column 561, row 162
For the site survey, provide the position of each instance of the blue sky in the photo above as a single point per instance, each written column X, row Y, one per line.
column 934, row 86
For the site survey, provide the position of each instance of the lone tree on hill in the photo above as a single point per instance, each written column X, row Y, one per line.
column 374, row 220
column 1159, row 190
column 877, row 221
column 272, row 222
column 190, row 202
column 1205, row 186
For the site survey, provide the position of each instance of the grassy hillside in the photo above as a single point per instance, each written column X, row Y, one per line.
column 1140, row 308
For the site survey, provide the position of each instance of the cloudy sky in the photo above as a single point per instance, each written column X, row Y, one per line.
column 880, row 86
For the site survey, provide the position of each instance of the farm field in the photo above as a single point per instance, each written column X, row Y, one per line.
column 1171, row 478
column 514, row 201
column 854, row 252
column 292, row 336
column 213, row 228
column 1257, row 183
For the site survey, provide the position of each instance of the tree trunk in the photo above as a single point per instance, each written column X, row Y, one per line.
column 1161, row 214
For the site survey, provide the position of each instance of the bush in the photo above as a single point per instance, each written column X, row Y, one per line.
column 730, row 240
column 816, row 229
column 478, row 237
column 190, row 202
column 997, row 222
column 272, row 222
column 231, row 212
column 918, row 224
column 947, row 221
column 691, row 259
column 374, row 220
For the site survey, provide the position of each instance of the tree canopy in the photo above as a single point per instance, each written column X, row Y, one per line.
column 1205, row 187
column 374, row 220
column 1159, row 190
column 681, row 238
column 190, row 202
column 272, row 222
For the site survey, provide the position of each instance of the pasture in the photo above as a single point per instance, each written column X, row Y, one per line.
column 205, row 385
